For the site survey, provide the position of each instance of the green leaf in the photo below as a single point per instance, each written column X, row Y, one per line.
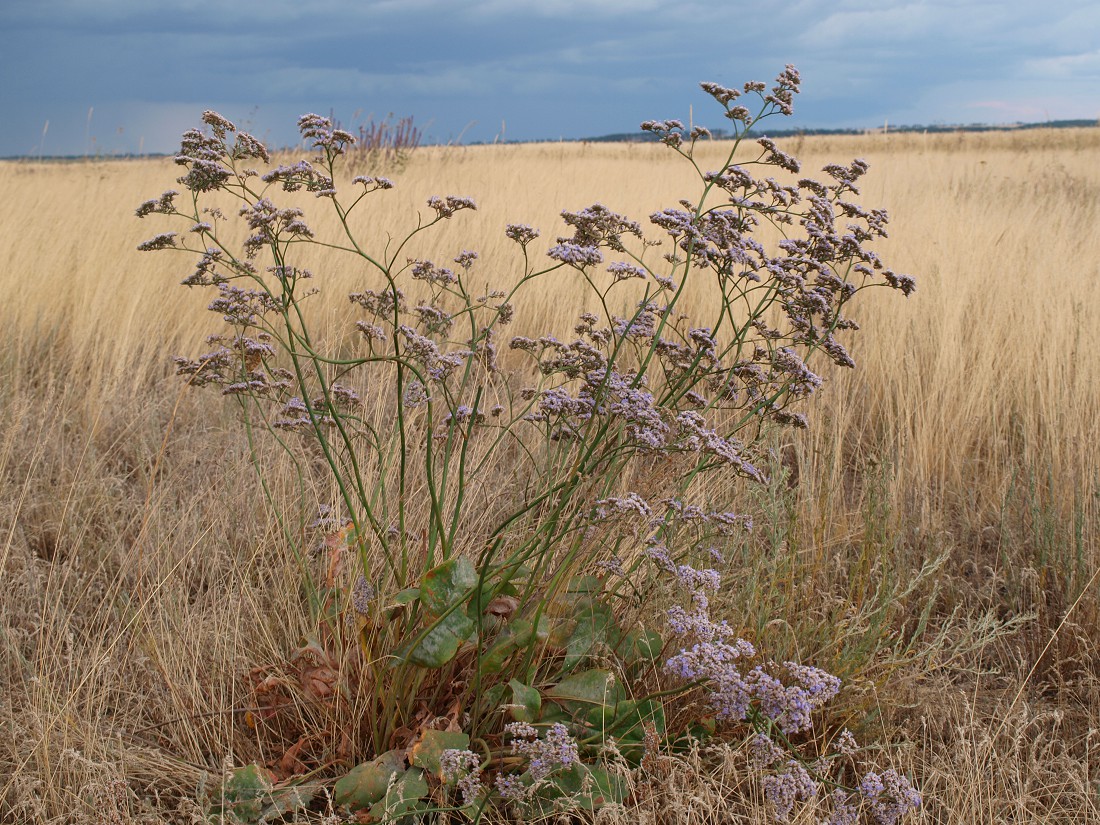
column 439, row 645
column 517, row 635
column 287, row 800
column 443, row 590
column 249, row 797
column 400, row 601
column 588, row 585
column 644, row 645
column 447, row 584
column 629, row 723
column 589, row 788
column 430, row 746
column 589, row 687
column 596, row 629
column 403, row 798
column 244, row 794
column 365, row 784
column 526, row 702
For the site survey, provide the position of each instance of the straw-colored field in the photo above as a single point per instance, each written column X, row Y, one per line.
column 935, row 544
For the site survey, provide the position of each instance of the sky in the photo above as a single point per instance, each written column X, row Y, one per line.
column 121, row 76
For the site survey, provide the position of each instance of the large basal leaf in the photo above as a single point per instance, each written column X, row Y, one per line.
column 438, row 645
column 517, row 635
column 365, row 784
column 249, row 796
column 587, row 688
column 641, row 645
column 244, row 794
column 526, row 702
column 426, row 751
column 588, row 787
column 447, row 584
column 443, row 592
column 596, row 630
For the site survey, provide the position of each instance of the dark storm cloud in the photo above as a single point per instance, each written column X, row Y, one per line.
column 547, row 69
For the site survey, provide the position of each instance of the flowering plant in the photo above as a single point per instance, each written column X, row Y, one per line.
column 448, row 597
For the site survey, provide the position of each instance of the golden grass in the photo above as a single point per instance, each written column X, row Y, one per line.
column 936, row 548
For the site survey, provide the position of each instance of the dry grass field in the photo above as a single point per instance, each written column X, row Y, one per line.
column 934, row 539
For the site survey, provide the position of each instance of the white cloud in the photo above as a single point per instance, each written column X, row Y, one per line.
column 1079, row 67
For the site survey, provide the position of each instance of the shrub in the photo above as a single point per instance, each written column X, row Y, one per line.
column 485, row 643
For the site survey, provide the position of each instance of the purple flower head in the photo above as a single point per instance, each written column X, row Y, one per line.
column 763, row 752
column 463, row 768
column 784, row 789
column 623, row 271
column 466, row 258
column 362, row 594
column 622, row 505
column 521, row 233
column 323, row 134
column 427, row 271
column 720, row 93
column 557, row 749
column 163, row 205
column 578, row 256
column 889, row 795
column 596, row 225
column 445, row 207
column 162, row 241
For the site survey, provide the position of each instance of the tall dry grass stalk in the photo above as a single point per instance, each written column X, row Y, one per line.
column 935, row 531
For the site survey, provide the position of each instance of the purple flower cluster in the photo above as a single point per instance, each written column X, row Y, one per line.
column 889, row 795
column 786, row 788
column 521, row 233
column 243, row 306
column 428, row 271
column 631, row 503
column 362, row 594
column 301, row 175
column 438, row 365
column 382, row 304
column 716, row 655
column 445, row 207
column 596, row 226
column 463, row 768
column 576, row 255
column 272, row 225
column 324, row 135
column 555, row 750
column 163, row 205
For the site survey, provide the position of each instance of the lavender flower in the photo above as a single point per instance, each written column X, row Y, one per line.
column 622, row 505
column 511, row 787
column 784, row 789
column 427, row 271
column 557, row 749
column 466, row 258
column 362, row 594
column 161, row 241
column 301, row 175
column 763, row 752
column 445, row 207
column 575, row 255
column 163, row 205
column 845, row 809
column 323, row 134
column 623, row 271
column 462, row 767
column 521, row 233
column 720, row 93
column 890, row 796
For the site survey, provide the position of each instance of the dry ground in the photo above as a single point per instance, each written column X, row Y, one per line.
column 935, row 541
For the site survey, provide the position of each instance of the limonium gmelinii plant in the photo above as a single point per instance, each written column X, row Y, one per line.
column 508, row 508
